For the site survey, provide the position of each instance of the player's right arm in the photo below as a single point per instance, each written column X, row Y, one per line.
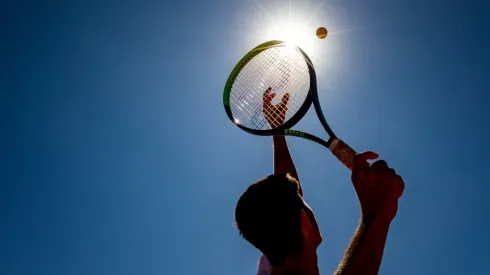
column 378, row 189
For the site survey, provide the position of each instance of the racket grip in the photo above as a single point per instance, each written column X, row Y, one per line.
column 343, row 152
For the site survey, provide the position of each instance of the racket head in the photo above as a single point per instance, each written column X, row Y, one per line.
column 278, row 65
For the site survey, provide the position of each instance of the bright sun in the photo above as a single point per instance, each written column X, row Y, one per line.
column 294, row 33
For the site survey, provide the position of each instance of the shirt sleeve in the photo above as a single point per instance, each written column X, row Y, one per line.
column 264, row 267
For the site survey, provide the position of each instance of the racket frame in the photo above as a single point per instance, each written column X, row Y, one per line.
column 340, row 149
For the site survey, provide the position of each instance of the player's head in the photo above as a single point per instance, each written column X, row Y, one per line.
column 272, row 216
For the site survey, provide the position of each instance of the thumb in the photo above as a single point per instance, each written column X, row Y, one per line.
column 284, row 102
column 285, row 99
column 360, row 159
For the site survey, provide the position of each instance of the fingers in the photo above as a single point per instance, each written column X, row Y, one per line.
column 401, row 185
column 376, row 181
column 266, row 93
column 387, row 175
column 361, row 166
column 267, row 100
column 360, row 159
column 268, row 96
column 283, row 107
column 275, row 114
column 364, row 156
column 379, row 165
column 285, row 100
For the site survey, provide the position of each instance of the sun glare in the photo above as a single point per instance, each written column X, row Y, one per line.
column 294, row 33
column 296, row 23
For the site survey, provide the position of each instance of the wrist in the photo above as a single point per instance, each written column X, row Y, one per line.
column 375, row 221
column 278, row 138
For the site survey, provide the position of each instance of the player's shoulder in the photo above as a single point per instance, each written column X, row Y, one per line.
column 263, row 266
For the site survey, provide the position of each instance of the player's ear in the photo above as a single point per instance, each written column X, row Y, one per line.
column 306, row 225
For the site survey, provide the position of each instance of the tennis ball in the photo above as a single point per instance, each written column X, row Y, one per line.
column 321, row 33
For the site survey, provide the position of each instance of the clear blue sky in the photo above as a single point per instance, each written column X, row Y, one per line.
column 117, row 156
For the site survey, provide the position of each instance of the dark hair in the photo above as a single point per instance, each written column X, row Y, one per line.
column 268, row 216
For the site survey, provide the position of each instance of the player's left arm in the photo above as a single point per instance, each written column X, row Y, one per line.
column 275, row 115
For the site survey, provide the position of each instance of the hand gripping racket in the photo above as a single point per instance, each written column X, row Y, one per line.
column 272, row 69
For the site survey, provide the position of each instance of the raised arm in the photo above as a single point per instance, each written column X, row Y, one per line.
column 283, row 163
column 275, row 115
column 378, row 188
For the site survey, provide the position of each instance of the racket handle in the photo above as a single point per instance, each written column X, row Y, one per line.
column 343, row 152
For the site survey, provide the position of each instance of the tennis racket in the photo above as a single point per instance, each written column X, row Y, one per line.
column 271, row 89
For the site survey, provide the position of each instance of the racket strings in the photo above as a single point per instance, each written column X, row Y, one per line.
column 280, row 84
column 284, row 73
column 256, row 120
column 281, row 69
column 237, row 96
